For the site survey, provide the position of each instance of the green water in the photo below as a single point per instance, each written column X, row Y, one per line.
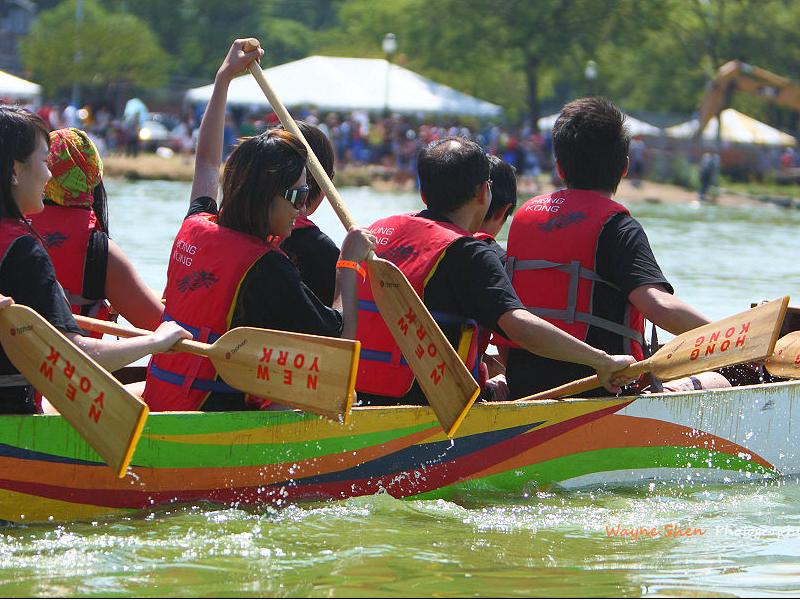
column 555, row 544
column 744, row 542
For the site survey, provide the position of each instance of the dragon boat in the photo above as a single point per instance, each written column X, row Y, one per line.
column 47, row 471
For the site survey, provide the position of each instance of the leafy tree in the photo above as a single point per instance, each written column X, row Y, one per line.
column 524, row 55
column 104, row 49
column 515, row 53
column 680, row 52
column 199, row 32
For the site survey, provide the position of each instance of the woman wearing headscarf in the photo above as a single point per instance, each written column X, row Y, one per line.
column 73, row 226
column 26, row 271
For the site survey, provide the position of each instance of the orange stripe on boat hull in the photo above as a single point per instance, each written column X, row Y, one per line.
column 622, row 431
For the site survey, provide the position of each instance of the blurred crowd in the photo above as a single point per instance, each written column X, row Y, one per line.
column 359, row 138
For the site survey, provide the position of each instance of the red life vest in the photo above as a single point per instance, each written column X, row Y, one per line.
column 303, row 221
column 65, row 232
column 206, row 268
column 415, row 245
column 552, row 248
column 11, row 230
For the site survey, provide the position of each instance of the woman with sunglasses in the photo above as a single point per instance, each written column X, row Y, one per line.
column 226, row 269
column 314, row 253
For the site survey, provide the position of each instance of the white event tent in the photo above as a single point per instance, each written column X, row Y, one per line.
column 736, row 128
column 15, row 87
column 635, row 126
column 344, row 84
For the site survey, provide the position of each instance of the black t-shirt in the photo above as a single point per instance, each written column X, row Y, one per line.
column 315, row 256
column 28, row 276
column 272, row 296
column 469, row 281
column 624, row 258
column 496, row 248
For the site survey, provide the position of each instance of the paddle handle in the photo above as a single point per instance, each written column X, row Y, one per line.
column 111, row 328
column 288, row 123
column 589, row 383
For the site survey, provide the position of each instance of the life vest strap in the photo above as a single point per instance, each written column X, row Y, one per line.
column 438, row 316
column 512, row 265
column 195, row 331
column 468, row 330
column 13, row 380
column 78, row 300
column 206, row 385
column 582, row 317
column 380, row 356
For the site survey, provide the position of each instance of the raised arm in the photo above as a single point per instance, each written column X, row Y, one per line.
column 210, row 136
column 357, row 244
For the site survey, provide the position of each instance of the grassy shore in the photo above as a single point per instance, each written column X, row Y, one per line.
column 149, row 166
column 181, row 168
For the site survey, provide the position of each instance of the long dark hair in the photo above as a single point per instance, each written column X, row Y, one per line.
column 20, row 132
column 100, row 206
column 259, row 169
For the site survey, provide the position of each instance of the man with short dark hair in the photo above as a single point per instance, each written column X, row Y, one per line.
column 580, row 261
column 459, row 278
column 503, row 176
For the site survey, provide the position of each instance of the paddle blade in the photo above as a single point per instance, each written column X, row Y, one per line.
column 314, row 373
column 446, row 382
column 103, row 412
column 785, row 362
column 746, row 337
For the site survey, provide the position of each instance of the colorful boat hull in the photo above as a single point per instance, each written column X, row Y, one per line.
column 47, row 471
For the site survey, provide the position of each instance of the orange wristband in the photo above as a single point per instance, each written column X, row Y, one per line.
column 351, row 264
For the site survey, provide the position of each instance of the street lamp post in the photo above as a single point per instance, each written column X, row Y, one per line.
column 389, row 46
column 591, row 75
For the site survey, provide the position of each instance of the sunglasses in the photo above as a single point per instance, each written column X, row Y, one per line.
column 298, row 196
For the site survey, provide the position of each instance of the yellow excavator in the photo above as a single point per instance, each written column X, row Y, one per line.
column 736, row 75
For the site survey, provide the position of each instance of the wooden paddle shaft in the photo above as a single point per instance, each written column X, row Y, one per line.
column 748, row 336
column 288, row 122
column 443, row 377
column 589, row 383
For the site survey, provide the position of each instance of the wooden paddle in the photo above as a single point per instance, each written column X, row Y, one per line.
column 446, row 382
column 746, row 337
column 103, row 412
column 313, row 373
column 785, row 362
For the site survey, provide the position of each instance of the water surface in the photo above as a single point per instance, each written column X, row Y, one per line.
column 738, row 540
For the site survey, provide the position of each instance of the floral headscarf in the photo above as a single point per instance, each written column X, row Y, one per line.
column 76, row 167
